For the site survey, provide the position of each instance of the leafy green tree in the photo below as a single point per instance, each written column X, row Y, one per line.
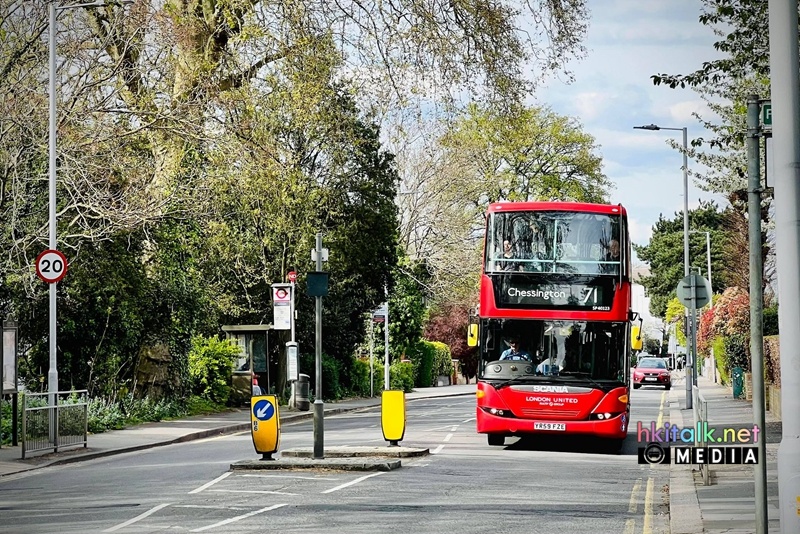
column 407, row 306
column 664, row 253
column 725, row 83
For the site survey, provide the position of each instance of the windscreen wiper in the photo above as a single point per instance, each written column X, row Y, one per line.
column 515, row 380
column 583, row 374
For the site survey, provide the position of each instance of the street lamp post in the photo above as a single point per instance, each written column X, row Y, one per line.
column 708, row 252
column 691, row 372
column 53, row 9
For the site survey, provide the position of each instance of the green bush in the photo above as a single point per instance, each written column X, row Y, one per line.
column 771, row 321
column 721, row 360
column 211, row 363
column 736, row 352
column 442, row 360
column 422, row 355
column 332, row 370
column 401, row 376
column 359, row 377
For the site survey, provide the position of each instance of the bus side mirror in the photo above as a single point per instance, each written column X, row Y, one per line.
column 636, row 338
column 472, row 335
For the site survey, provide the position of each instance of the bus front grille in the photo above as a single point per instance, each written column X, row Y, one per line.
column 549, row 413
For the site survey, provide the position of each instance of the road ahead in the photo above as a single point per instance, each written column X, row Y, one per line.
column 466, row 486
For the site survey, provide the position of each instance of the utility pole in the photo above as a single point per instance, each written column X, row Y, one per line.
column 756, row 305
column 319, row 423
column 785, row 88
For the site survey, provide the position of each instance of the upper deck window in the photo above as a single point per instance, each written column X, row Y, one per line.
column 554, row 242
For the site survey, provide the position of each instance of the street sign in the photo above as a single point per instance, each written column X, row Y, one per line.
column 291, row 361
column 324, row 254
column 281, row 294
column 766, row 116
column 51, row 266
column 702, row 291
column 291, row 276
column 317, row 284
column 266, row 425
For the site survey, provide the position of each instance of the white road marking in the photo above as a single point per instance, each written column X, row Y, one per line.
column 209, row 484
column 455, row 427
column 254, row 491
column 630, row 526
column 239, row 517
column 352, row 482
column 448, row 437
column 468, row 420
column 290, row 476
column 437, row 450
column 137, row 518
column 208, row 506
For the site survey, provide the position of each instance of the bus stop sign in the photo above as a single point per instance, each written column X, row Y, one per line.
column 702, row 291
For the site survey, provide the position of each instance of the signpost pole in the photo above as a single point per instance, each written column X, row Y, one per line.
column 371, row 358
column 386, row 378
column 756, row 306
column 319, row 446
column 293, row 385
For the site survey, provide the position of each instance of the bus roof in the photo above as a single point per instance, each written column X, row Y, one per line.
column 556, row 206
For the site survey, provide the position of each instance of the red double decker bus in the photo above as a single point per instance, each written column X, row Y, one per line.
column 554, row 321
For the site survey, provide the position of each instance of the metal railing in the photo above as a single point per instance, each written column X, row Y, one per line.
column 700, row 409
column 64, row 423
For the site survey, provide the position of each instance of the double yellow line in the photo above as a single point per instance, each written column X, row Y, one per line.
column 630, row 524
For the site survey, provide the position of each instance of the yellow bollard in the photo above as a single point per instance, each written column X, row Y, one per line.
column 393, row 416
column 266, row 425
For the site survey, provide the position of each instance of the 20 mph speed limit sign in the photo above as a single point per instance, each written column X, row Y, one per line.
column 51, row 266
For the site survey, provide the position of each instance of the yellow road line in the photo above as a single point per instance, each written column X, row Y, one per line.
column 648, row 508
column 634, row 497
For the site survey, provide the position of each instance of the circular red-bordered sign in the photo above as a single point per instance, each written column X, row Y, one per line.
column 281, row 294
column 51, row 266
column 292, row 276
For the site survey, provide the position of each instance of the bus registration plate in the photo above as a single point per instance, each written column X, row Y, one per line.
column 549, row 426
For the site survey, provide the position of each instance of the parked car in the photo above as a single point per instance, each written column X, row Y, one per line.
column 651, row 372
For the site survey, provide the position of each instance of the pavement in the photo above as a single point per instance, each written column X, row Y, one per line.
column 725, row 506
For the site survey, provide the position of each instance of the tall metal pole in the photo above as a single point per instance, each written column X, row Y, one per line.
column 785, row 88
column 52, row 373
column 691, row 371
column 293, row 384
column 756, row 306
column 691, row 376
column 708, row 258
column 386, row 377
column 371, row 357
column 319, row 446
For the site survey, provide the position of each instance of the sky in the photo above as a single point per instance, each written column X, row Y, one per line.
column 628, row 41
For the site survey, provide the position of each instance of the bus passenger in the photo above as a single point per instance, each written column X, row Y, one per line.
column 514, row 352
column 506, row 262
column 611, row 255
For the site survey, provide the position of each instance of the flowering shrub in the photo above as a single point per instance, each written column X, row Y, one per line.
column 732, row 313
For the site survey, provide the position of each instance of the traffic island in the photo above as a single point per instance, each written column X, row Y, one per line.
column 358, row 452
column 365, row 463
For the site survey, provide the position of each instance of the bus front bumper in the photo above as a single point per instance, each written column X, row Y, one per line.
column 614, row 428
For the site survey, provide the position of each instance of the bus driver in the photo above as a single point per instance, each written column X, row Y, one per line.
column 514, row 352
